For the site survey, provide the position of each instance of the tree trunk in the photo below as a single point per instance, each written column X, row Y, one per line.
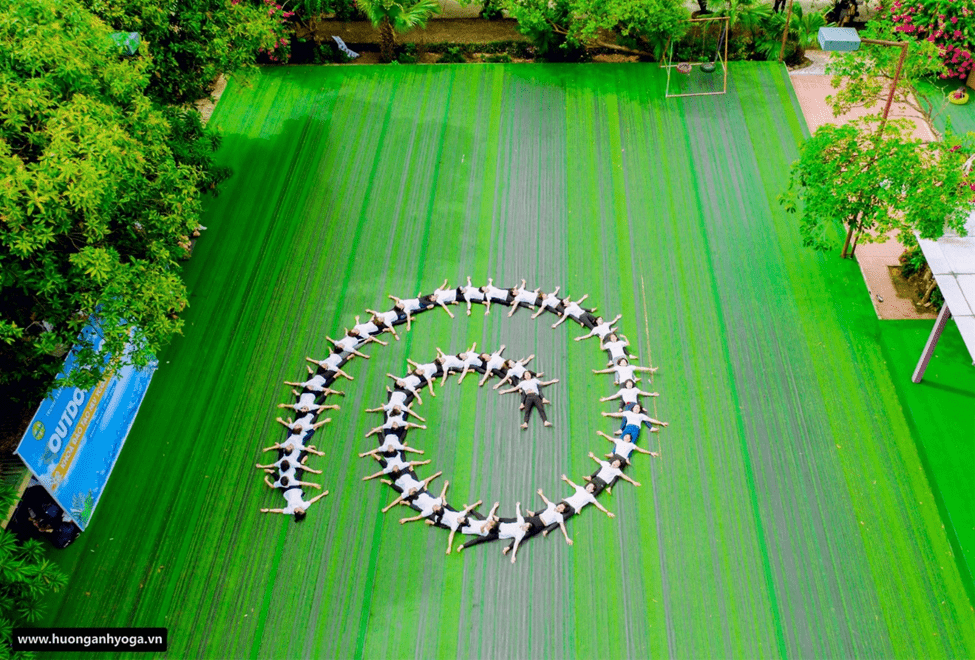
column 855, row 241
column 849, row 235
column 386, row 41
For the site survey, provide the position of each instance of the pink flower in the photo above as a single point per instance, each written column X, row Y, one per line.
column 957, row 34
column 954, row 20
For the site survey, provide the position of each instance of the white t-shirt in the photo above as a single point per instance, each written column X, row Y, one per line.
column 494, row 293
column 332, row 362
column 623, row 448
column 445, row 296
column 396, row 398
column 406, row 482
column 399, row 420
column 411, row 382
column 390, row 317
column 516, row 371
column 550, row 515
column 525, row 296
column 472, row 294
column 631, row 418
column 607, row 472
column 426, row 502
column 395, row 463
column 511, row 530
column 629, row 394
column 580, row 498
column 624, row 373
column 451, row 518
column 615, row 349
column 367, row 328
column 471, row 359
column 574, row 310
column 476, row 527
column 412, row 305
column 306, row 399
column 307, row 419
column 291, row 458
column 602, row 329
column 495, row 361
column 428, row 369
column 391, row 443
column 348, row 343
column 529, row 386
column 452, row 363
column 295, row 499
column 314, row 383
column 550, row 302
column 295, row 441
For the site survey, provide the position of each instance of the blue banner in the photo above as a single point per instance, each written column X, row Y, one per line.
column 76, row 436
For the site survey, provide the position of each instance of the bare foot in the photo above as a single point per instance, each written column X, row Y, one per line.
column 524, row 426
column 547, row 424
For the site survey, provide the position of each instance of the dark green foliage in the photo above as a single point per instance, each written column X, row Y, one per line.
column 503, row 58
column 454, row 55
column 490, row 10
column 912, row 262
column 26, row 577
column 191, row 42
column 99, row 190
column 407, row 54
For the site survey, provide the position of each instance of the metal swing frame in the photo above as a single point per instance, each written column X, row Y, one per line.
column 722, row 58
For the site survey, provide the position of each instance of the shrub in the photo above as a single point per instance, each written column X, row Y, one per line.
column 503, row 58
column 948, row 24
column 454, row 55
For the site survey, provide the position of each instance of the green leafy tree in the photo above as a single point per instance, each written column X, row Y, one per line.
column 863, row 77
column 25, row 578
column 390, row 15
column 580, row 24
column 192, row 42
column 98, row 194
column 875, row 183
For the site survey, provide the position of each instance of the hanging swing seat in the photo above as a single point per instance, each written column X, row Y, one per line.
column 683, row 67
column 709, row 67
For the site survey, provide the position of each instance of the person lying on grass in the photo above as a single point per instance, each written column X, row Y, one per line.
column 391, row 444
column 299, row 428
column 529, row 387
column 471, row 294
column 609, row 473
column 584, row 496
column 409, row 306
column 616, row 346
column 484, row 530
column 349, row 344
column 443, row 296
column 520, row 296
column 515, row 370
column 393, row 425
column 550, row 302
column 454, row 520
column 293, row 443
column 393, row 467
column 575, row 311
column 624, row 371
column 305, row 407
column 601, row 329
column 429, row 506
column 493, row 294
column 624, row 446
column 289, row 479
column 493, row 365
column 318, row 384
column 427, row 370
column 634, row 417
column 515, row 530
column 331, row 366
column 629, row 394
column 471, row 360
column 395, row 409
column 285, row 464
column 412, row 383
column 551, row 518
column 376, row 325
column 297, row 506
column 408, row 495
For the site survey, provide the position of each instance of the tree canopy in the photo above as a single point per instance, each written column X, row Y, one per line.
column 575, row 24
column 878, row 183
column 97, row 193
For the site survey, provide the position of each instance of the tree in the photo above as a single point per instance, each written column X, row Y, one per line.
column 575, row 24
column 98, row 194
column 864, row 76
column 878, row 183
column 192, row 42
column 389, row 15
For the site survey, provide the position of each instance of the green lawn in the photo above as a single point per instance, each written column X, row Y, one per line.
column 790, row 514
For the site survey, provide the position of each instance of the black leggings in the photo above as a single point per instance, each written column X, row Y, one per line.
column 487, row 538
column 534, row 401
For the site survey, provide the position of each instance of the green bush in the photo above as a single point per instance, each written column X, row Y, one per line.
column 454, row 55
column 408, row 54
column 503, row 58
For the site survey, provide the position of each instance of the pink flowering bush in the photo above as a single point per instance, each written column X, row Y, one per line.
column 277, row 46
column 949, row 24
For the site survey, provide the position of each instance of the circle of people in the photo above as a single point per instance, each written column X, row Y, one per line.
column 396, row 468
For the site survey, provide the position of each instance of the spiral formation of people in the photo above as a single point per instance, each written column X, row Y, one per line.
column 393, row 453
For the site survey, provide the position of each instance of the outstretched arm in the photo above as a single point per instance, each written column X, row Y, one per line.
column 308, row 469
column 603, row 509
column 593, row 457
column 650, row 369
column 370, row 338
column 544, row 499
column 409, row 411
column 272, row 447
column 411, row 425
column 565, row 533
column 374, row 431
column 317, row 497
column 399, row 499
column 610, row 398
column 568, row 481
column 608, row 437
column 604, row 371
column 546, row 383
column 306, row 483
column 272, row 510
column 587, row 335
column 311, row 450
column 626, row 477
column 372, row 453
column 617, row 415
column 645, row 451
column 443, row 491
